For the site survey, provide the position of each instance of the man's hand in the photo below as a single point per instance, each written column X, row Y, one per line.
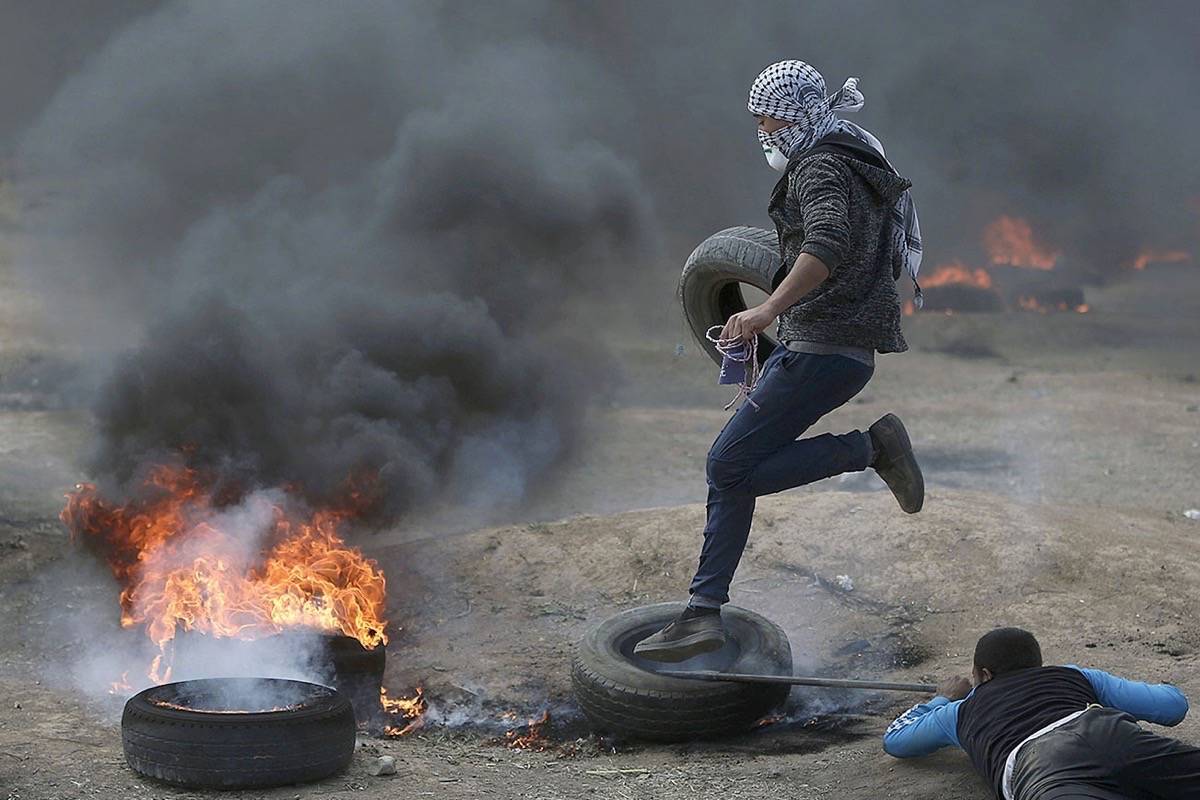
column 955, row 688
column 745, row 325
column 806, row 274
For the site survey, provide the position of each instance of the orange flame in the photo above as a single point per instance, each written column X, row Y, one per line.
column 182, row 567
column 409, row 711
column 1147, row 257
column 1030, row 303
column 534, row 737
column 958, row 273
column 120, row 686
column 1009, row 240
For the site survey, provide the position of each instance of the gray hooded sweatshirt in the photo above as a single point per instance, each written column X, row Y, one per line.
column 835, row 201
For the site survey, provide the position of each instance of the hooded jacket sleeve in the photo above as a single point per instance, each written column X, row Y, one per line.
column 821, row 186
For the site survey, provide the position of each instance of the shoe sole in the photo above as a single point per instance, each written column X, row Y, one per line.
column 894, row 437
column 691, row 645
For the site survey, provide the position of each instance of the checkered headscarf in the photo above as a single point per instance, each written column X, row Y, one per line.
column 794, row 92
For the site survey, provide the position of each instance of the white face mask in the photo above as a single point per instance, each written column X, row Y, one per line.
column 776, row 159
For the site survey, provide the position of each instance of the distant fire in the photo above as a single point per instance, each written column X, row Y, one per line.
column 1148, row 257
column 1031, row 303
column 1009, row 240
column 958, row 273
column 1010, row 243
column 182, row 567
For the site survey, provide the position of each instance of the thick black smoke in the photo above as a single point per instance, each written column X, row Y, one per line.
column 355, row 231
column 1077, row 115
column 351, row 245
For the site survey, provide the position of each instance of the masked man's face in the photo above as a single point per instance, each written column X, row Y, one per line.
column 770, row 124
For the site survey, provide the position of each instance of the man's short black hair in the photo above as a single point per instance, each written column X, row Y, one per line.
column 1007, row 650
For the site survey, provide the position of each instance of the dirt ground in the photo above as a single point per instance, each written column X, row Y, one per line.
column 1060, row 453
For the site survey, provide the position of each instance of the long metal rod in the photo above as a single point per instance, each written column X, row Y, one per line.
column 796, row 680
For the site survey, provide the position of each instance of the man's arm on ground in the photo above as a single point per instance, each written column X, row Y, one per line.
column 1159, row 703
column 923, row 729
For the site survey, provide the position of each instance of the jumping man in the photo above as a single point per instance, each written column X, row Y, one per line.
column 847, row 230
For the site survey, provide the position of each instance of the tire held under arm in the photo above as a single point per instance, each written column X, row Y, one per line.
column 710, row 286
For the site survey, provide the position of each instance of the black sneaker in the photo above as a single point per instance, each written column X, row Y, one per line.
column 895, row 463
column 694, row 631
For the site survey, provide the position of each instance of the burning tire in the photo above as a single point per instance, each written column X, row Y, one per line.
column 623, row 695
column 357, row 673
column 228, row 733
column 710, row 288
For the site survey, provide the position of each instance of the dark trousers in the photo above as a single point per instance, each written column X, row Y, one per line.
column 757, row 453
column 1105, row 755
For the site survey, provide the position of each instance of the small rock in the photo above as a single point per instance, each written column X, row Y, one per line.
column 384, row 765
column 16, row 705
column 1192, row 513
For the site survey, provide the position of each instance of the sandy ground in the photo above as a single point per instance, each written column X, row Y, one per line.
column 1060, row 452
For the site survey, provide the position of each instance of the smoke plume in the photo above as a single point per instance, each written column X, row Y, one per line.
column 343, row 245
column 358, row 238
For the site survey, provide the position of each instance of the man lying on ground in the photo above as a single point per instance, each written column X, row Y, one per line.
column 1052, row 733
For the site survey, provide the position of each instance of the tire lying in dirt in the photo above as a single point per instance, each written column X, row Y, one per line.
column 710, row 288
column 228, row 733
column 621, row 694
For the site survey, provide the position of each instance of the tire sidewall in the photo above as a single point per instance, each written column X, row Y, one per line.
column 623, row 698
column 739, row 255
column 764, row 646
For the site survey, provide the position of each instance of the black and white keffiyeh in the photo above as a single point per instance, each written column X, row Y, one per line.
column 794, row 92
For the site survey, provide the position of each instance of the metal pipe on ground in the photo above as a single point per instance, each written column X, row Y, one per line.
column 796, row 680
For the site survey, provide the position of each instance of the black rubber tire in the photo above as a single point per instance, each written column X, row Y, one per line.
column 204, row 750
column 710, row 287
column 621, row 695
column 356, row 672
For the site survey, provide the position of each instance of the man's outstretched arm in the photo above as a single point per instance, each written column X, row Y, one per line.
column 1160, row 703
column 927, row 727
column 923, row 729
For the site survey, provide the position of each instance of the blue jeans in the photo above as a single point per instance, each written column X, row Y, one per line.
column 758, row 453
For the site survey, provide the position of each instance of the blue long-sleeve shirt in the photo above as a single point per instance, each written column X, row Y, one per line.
column 927, row 727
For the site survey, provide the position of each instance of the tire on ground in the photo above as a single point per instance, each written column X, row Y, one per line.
column 622, row 696
column 207, row 750
column 710, row 287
